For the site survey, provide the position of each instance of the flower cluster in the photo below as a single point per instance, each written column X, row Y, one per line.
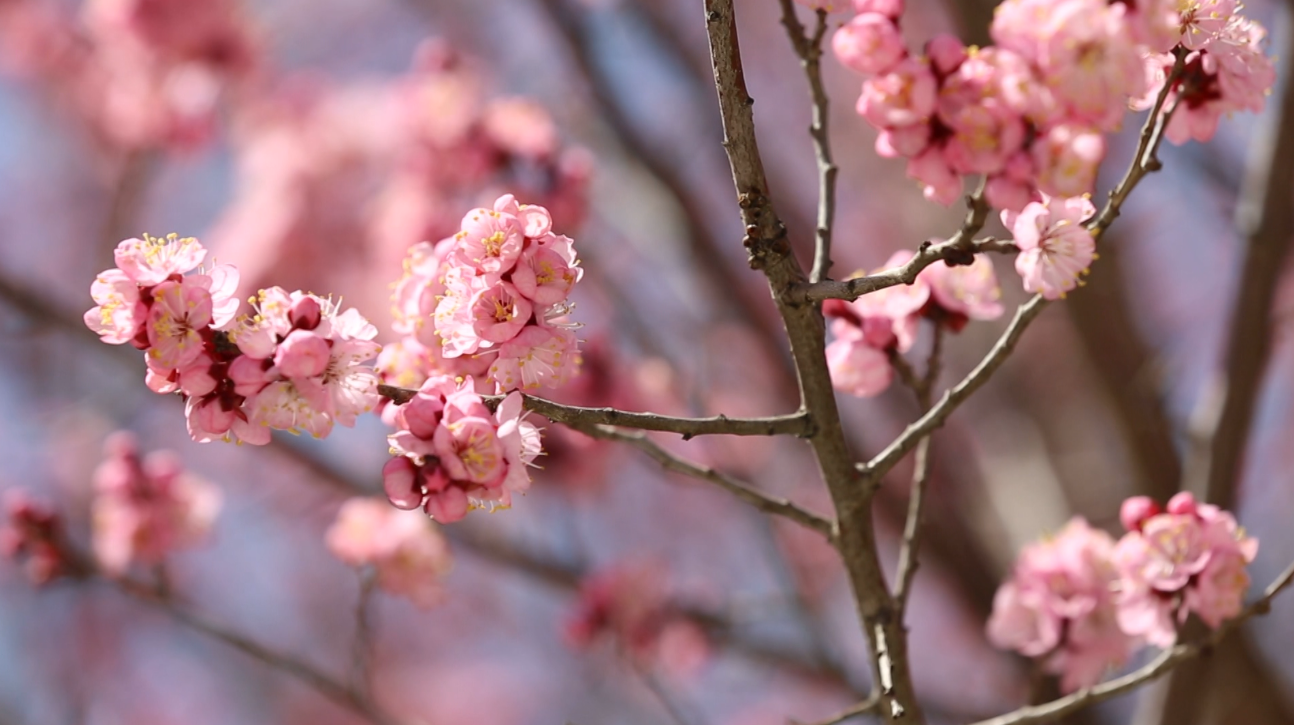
column 1086, row 603
column 1029, row 113
column 1061, row 604
column 295, row 365
column 1190, row 558
column 410, row 556
column 870, row 329
column 629, row 605
column 453, row 454
column 143, row 74
column 34, row 530
column 496, row 295
column 145, row 509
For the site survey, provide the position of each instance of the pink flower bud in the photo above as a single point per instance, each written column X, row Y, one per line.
column 302, row 354
column 946, row 52
column 448, row 506
column 869, row 44
column 423, row 414
column 1183, row 504
column 305, row 313
column 1136, row 510
column 400, row 481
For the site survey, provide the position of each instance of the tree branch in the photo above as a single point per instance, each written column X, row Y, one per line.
column 955, row 249
column 866, row 707
column 738, row 488
column 769, row 251
column 1265, row 217
column 796, row 424
column 809, row 49
column 908, row 554
column 1170, row 658
column 321, row 682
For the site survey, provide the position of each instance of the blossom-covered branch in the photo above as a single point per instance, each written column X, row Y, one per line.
column 740, row 489
column 1143, row 162
column 809, row 49
column 1166, row 661
column 796, row 424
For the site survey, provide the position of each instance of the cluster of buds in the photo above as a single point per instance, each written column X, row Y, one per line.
column 1030, row 112
column 1086, row 603
column 453, row 454
column 145, row 509
column 407, row 552
column 496, row 293
column 34, row 531
column 295, row 365
column 869, row 330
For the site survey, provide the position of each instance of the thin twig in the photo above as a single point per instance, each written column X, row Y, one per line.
column 1170, row 658
column 809, row 49
column 866, row 707
column 955, row 249
column 935, row 417
column 910, row 551
column 1265, row 218
column 796, row 424
column 362, row 649
column 320, row 681
column 740, row 489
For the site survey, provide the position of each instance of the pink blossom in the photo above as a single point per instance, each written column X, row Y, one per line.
column 302, row 354
column 409, row 553
column 544, row 276
column 1060, row 603
column 1055, row 247
column 151, row 260
column 870, row 43
column 119, row 314
column 1066, row 158
column 903, row 140
column 969, row 290
column 902, row 96
column 536, row 357
column 940, row 182
column 179, row 313
column 858, row 368
column 146, row 509
column 490, row 241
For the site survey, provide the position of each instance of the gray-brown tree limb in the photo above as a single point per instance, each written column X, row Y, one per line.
column 768, row 249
